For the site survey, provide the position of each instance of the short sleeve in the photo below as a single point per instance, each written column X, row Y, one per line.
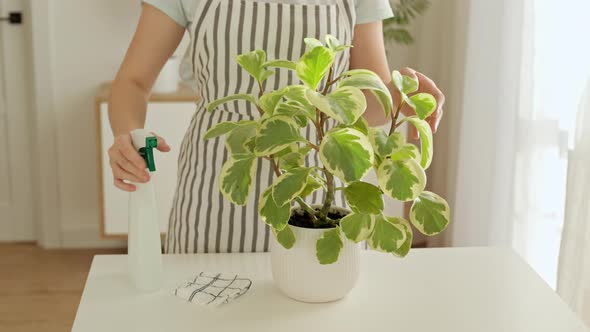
column 372, row 10
column 173, row 8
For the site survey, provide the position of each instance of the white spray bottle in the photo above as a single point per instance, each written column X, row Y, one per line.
column 144, row 246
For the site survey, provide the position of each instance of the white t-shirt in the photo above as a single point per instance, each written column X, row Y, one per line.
column 182, row 11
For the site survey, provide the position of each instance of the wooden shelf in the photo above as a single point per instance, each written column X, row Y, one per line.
column 184, row 94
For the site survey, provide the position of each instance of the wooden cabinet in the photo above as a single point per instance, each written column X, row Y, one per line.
column 169, row 116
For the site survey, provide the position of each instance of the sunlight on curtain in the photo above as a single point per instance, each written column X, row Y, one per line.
column 555, row 75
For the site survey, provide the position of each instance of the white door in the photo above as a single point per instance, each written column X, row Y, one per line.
column 16, row 202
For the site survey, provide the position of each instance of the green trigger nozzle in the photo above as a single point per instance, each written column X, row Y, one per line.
column 147, row 153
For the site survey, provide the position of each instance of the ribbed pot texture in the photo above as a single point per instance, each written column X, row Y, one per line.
column 300, row 276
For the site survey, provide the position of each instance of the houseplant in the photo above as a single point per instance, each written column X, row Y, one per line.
column 347, row 151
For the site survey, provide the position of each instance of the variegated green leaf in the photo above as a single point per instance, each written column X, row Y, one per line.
column 294, row 158
column 354, row 72
column 212, row 106
column 398, row 139
column 402, row 180
column 383, row 144
column 357, row 227
column 430, row 213
column 293, row 110
column 373, row 83
column 275, row 134
column 361, row 125
column 297, row 93
column 274, row 215
column 250, row 144
column 426, row 149
column 404, row 249
column 345, row 104
column 237, row 177
column 290, row 185
column 286, row 237
column 347, row 153
column 219, row 130
column 291, row 148
column 236, row 141
column 328, row 247
column 424, row 104
column 364, row 198
column 253, row 62
column 285, row 64
column 388, row 236
column 404, row 84
column 311, row 187
column 406, row 151
column 314, row 65
column 312, row 43
column 269, row 101
column 335, row 45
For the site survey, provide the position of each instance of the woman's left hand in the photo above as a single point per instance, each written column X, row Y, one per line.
column 426, row 85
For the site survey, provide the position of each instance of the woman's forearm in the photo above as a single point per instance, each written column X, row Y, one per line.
column 156, row 38
column 127, row 106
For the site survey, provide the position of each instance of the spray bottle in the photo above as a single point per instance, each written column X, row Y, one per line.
column 144, row 246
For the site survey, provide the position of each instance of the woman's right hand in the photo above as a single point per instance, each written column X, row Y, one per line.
column 127, row 164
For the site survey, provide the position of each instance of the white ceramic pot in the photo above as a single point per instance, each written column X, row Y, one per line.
column 300, row 276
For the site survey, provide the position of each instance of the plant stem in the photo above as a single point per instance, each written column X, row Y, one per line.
column 313, row 146
column 322, row 117
column 332, row 82
column 275, row 166
column 394, row 123
column 307, row 208
column 260, row 93
column 329, row 80
column 329, row 196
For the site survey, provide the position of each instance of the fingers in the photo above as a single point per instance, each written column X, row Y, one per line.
column 162, row 144
column 126, row 164
column 407, row 110
column 119, row 158
column 129, row 153
column 437, row 121
column 124, row 186
column 120, row 173
column 407, row 71
column 427, row 85
column 414, row 134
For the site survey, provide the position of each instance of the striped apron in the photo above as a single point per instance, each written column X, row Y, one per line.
column 201, row 219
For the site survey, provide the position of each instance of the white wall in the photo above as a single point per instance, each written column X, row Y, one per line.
column 88, row 41
column 16, row 194
column 85, row 42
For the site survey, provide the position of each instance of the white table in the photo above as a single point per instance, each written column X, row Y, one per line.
column 432, row 290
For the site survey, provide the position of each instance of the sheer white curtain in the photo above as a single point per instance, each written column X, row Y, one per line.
column 525, row 72
column 574, row 263
column 483, row 204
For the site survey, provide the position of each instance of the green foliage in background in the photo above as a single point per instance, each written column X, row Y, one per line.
column 348, row 151
column 396, row 28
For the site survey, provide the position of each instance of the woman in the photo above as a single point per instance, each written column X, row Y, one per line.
column 201, row 220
